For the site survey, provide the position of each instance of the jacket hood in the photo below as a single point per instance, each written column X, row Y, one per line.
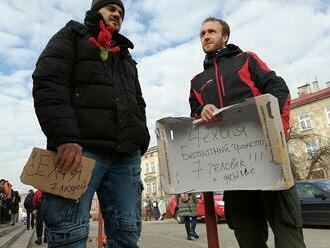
column 229, row 51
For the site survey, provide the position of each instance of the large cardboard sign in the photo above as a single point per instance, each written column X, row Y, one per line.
column 40, row 172
column 246, row 150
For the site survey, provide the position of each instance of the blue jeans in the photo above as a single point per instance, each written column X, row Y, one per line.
column 116, row 179
column 190, row 223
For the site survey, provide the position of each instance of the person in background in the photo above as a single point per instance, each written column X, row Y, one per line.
column 8, row 191
column 162, row 208
column 155, row 210
column 15, row 207
column 2, row 202
column 28, row 205
column 148, row 207
column 90, row 227
column 230, row 76
column 88, row 100
column 187, row 203
column 37, row 200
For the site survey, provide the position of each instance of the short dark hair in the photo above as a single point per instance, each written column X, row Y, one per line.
column 224, row 25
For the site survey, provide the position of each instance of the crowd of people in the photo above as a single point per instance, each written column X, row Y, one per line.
column 9, row 209
column 154, row 209
column 9, row 203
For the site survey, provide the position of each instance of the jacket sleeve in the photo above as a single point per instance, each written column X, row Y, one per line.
column 193, row 195
column 268, row 82
column 51, row 90
column 196, row 103
column 142, row 107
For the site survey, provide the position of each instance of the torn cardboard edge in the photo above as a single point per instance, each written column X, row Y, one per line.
column 268, row 110
column 40, row 172
column 277, row 148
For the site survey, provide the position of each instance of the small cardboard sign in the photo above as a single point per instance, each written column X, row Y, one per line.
column 40, row 172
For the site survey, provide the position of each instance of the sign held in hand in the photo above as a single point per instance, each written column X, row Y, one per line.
column 40, row 172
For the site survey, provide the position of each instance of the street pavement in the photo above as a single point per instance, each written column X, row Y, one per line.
column 169, row 234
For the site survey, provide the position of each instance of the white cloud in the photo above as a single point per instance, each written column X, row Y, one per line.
column 293, row 40
column 169, row 22
column 165, row 80
column 291, row 36
column 8, row 40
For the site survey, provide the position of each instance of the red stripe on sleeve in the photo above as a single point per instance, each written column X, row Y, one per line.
column 262, row 64
column 197, row 116
column 199, row 97
column 245, row 76
column 286, row 116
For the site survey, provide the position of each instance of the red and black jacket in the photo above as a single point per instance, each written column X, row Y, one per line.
column 230, row 76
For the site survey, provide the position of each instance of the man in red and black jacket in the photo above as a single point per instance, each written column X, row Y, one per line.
column 36, row 201
column 230, row 76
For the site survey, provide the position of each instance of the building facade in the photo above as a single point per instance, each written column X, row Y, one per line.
column 310, row 131
column 150, row 175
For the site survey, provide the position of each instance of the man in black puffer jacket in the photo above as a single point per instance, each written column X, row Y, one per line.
column 230, row 76
column 90, row 102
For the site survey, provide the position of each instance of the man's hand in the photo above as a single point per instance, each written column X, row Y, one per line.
column 207, row 113
column 68, row 157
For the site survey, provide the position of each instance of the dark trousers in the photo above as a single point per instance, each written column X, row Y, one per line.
column 2, row 219
column 190, row 224
column 29, row 219
column 6, row 211
column 148, row 215
column 40, row 226
column 247, row 212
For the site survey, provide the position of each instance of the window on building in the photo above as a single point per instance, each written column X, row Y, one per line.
column 147, row 168
column 148, row 189
column 327, row 112
column 311, row 148
column 153, row 187
column 153, row 167
column 305, row 121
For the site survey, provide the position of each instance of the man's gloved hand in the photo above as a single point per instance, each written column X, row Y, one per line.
column 68, row 157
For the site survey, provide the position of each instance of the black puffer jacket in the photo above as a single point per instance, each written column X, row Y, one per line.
column 79, row 98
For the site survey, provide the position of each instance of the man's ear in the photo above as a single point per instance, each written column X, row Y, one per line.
column 225, row 38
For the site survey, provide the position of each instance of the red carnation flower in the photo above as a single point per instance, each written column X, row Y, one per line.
column 104, row 40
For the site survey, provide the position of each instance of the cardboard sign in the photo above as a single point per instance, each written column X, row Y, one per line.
column 246, row 150
column 40, row 172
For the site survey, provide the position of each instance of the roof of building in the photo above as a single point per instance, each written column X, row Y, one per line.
column 310, row 98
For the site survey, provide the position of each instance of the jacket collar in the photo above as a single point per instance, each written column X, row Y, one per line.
column 229, row 51
column 122, row 41
column 91, row 24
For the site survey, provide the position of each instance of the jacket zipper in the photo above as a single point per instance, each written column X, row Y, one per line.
column 219, row 83
column 105, row 66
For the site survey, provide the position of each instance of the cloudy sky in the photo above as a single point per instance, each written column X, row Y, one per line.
column 291, row 36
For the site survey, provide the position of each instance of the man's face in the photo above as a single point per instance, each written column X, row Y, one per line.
column 211, row 37
column 112, row 15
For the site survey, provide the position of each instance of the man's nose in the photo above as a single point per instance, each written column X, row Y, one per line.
column 116, row 14
column 206, row 37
